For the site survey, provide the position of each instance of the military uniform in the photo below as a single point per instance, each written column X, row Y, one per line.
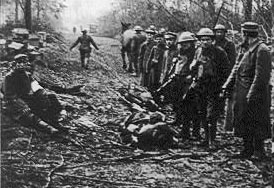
column 85, row 49
column 155, row 65
column 249, row 81
column 137, row 41
column 27, row 102
column 211, row 66
column 143, row 58
column 169, row 55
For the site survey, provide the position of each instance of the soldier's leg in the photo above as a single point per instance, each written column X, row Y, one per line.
column 136, row 65
column 123, row 54
column 213, row 113
column 130, row 61
column 228, row 115
column 82, row 58
column 86, row 61
column 20, row 111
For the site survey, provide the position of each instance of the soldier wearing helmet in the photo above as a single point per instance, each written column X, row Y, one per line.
column 249, row 83
column 223, row 42
column 211, row 69
column 85, row 49
column 137, row 40
column 229, row 47
column 26, row 101
column 143, row 57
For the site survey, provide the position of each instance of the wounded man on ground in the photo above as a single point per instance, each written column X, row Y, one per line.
column 26, row 101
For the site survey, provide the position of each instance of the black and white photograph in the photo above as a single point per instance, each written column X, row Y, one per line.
column 137, row 93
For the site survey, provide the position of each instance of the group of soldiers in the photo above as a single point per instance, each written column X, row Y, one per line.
column 195, row 73
column 203, row 77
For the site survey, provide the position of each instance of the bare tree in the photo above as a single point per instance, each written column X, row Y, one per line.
column 28, row 19
column 248, row 9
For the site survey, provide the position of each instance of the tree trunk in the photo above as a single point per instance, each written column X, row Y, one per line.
column 38, row 9
column 28, row 20
column 248, row 10
column 16, row 11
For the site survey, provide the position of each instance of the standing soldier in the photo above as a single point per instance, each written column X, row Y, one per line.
column 169, row 55
column 155, row 62
column 229, row 47
column 137, row 40
column 144, row 53
column 184, row 105
column 85, row 49
column 249, row 81
column 211, row 66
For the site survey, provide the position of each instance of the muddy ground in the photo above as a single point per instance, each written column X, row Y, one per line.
column 30, row 158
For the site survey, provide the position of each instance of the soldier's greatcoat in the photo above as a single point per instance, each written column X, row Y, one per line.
column 251, row 100
column 143, row 58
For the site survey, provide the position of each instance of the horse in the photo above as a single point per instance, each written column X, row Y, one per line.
column 131, row 42
column 126, row 41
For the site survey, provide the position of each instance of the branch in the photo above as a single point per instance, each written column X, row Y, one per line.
column 22, row 5
column 161, row 6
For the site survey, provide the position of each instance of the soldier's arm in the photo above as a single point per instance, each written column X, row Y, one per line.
column 224, row 67
column 262, row 74
column 75, row 43
column 232, row 54
column 93, row 43
column 228, row 85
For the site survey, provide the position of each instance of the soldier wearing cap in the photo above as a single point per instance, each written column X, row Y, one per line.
column 211, row 66
column 155, row 62
column 249, row 82
column 26, row 101
column 170, row 53
column 137, row 40
column 143, row 57
column 85, row 49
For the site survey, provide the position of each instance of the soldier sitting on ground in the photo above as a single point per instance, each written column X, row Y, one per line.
column 26, row 101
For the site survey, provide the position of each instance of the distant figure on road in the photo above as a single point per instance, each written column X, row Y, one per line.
column 85, row 49
column 74, row 30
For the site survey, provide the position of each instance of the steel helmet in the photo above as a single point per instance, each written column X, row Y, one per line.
column 170, row 35
column 219, row 27
column 138, row 28
column 250, row 27
column 186, row 37
column 205, row 32
column 150, row 31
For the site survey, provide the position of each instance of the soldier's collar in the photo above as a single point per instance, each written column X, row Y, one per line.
column 254, row 45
